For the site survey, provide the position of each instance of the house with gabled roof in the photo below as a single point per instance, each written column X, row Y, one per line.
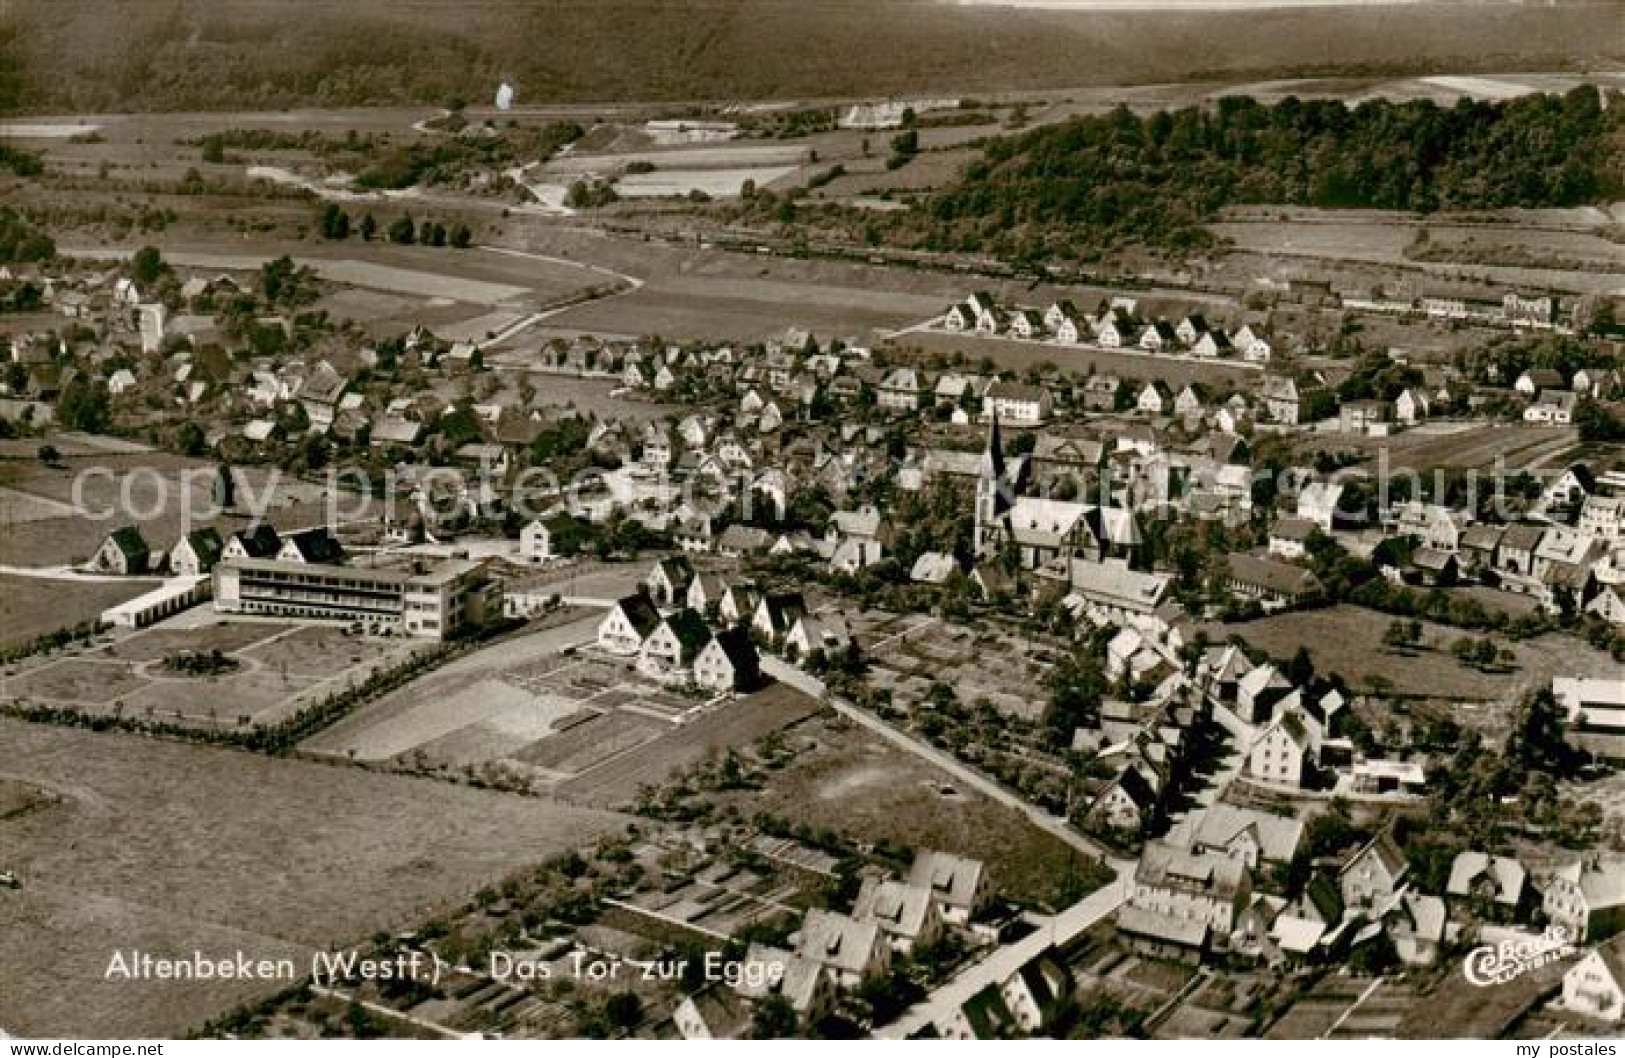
column 853, row 952
column 1373, row 875
column 196, row 552
column 777, row 613
column 259, row 540
column 1594, row 987
column 627, row 625
column 315, row 546
column 124, row 551
column 668, row 652
column 958, row 884
column 728, row 662
column 1587, row 898
column 906, row 914
column 668, row 581
column 1489, row 887
column 1247, row 834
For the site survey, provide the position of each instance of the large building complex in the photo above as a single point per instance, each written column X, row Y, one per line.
column 433, row 603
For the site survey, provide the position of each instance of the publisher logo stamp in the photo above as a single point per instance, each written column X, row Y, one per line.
column 1496, row 964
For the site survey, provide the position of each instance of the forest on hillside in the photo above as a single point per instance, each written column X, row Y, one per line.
column 1099, row 183
column 120, row 56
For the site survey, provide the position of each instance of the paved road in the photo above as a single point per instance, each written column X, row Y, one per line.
column 1060, row 930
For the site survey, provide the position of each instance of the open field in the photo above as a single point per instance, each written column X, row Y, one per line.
column 152, row 490
column 1505, row 253
column 1014, row 355
column 168, row 848
column 848, row 780
column 283, row 667
column 1456, row 446
column 30, row 606
column 1348, row 640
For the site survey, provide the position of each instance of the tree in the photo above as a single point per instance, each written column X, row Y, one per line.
column 461, row 237
column 369, row 227
column 774, row 1019
column 403, row 231
column 433, row 234
column 624, row 1009
column 335, row 223
column 84, row 405
column 190, row 440
column 147, row 266
column 49, row 455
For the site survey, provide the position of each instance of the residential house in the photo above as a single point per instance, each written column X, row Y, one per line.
column 768, row 973
column 1552, row 407
column 1286, row 751
column 316, row 546
column 536, row 542
column 776, row 614
column 196, row 553
column 1270, row 581
column 1158, row 337
column 1250, row 835
column 1200, row 888
column 826, row 632
column 1155, row 399
column 958, row 884
column 728, row 662
column 259, row 540
column 1318, row 502
column 1373, row 875
column 1290, row 536
column 717, row 1013
column 900, row 390
column 1536, row 379
column 668, row 581
column 853, row 952
column 907, row 914
column 1017, row 404
column 627, row 625
column 1490, row 887
column 1594, row 987
column 1027, row 323
column 1213, row 345
column 1587, row 898
column 124, row 551
column 668, row 652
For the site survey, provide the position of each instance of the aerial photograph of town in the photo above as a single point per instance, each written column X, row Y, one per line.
column 895, row 520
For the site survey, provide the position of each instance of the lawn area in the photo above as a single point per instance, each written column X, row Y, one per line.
column 30, row 607
column 167, row 848
column 1348, row 640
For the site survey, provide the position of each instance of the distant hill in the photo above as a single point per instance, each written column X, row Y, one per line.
column 112, row 55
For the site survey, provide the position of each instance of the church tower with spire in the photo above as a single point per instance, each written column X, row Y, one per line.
column 992, row 499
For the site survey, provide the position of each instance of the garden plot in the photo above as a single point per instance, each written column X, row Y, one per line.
column 909, row 660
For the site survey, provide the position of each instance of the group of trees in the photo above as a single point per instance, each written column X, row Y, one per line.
column 21, row 240
column 334, row 224
column 1114, row 179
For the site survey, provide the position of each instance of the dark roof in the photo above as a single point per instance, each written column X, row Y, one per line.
column 129, row 540
column 317, row 545
column 206, row 544
column 1272, row 576
column 260, row 540
column 640, row 613
column 736, row 644
column 689, row 627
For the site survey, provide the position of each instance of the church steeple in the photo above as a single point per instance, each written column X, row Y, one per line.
column 993, row 455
